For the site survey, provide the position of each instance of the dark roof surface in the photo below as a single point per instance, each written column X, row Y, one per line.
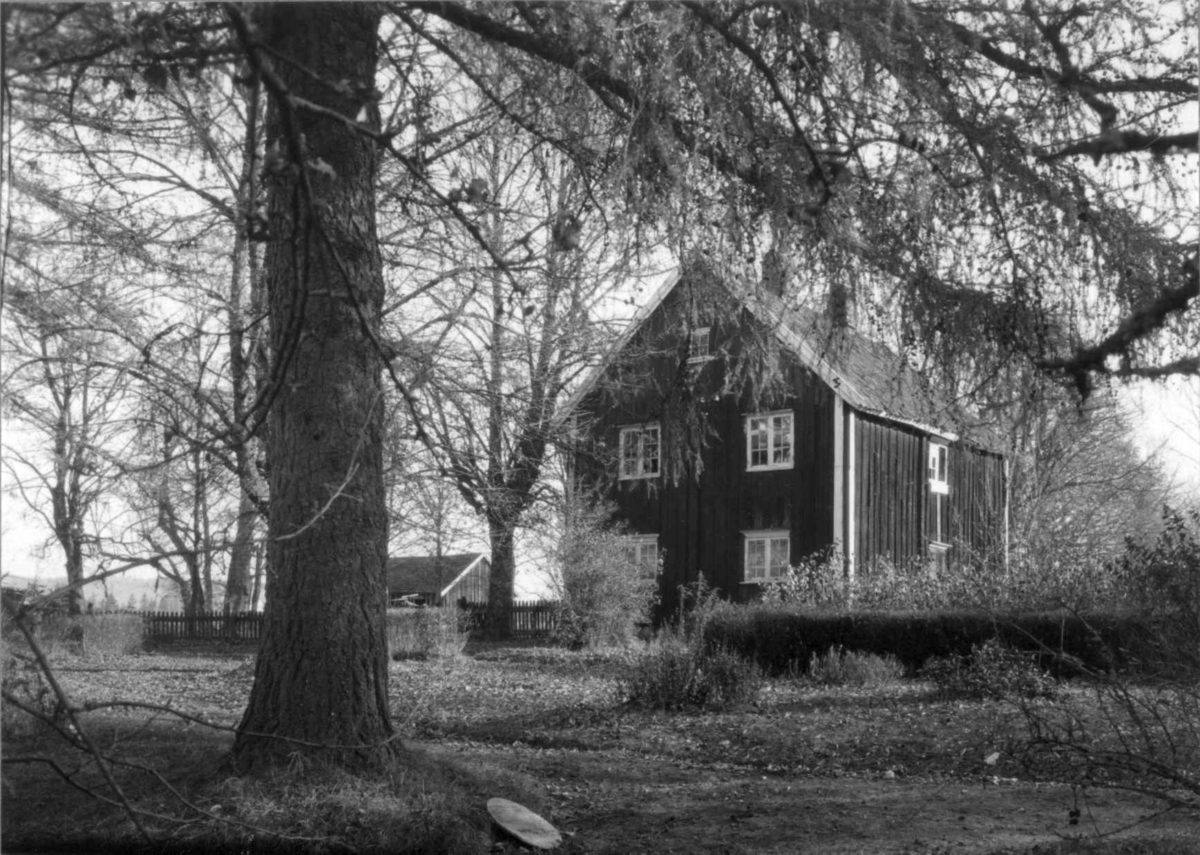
column 867, row 375
column 424, row 573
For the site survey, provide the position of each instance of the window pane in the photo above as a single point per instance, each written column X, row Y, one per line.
column 758, row 448
column 756, row 558
column 783, row 440
column 650, row 451
column 629, row 453
column 779, row 556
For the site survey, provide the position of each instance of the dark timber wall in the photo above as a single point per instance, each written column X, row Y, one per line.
column 977, row 501
column 890, row 493
column 704, row 499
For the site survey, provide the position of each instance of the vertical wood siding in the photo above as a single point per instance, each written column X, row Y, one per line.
column 699, row 516
column 473, row 588
column 890, row 490
column 977, row 494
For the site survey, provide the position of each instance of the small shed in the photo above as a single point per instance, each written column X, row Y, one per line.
column 435, row 580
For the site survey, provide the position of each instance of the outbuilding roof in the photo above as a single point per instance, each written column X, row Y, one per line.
column 425, row 573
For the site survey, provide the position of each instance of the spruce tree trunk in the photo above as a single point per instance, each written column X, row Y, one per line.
column 321, row 677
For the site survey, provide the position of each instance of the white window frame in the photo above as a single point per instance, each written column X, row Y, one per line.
column 775, row 434
column 775, row 540
column 939, row 488
column 645, row 552
column 700, row 345
column 641, row 469
column 939, row 468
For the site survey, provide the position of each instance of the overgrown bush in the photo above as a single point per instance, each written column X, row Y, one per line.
column 110, row 634
column 840, row 667
column 1165, row 574
column 678, row 673
column 427, row 633
column 23, row 682
column 116, row 634
column 993, row 670
column 604, row 593
column 1141, row 735
column 681, row 668
column 1137, row 729
column 818, row 583
column 782, row 640
column 1166, row 570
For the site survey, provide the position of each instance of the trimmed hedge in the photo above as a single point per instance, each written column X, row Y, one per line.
column 783, row 641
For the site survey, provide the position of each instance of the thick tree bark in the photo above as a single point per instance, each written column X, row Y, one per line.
column 320, row 687
column 241, row 553
column 496, row 623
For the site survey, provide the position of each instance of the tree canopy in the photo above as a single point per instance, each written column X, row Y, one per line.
column 1020, row 181
column 1005, row 188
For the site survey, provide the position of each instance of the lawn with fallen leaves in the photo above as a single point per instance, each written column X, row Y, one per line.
column 809, row 768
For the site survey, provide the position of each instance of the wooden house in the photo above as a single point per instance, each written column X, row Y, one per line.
column 437, row 580
column 737, row 436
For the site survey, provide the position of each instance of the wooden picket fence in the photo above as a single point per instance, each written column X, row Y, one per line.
column 162, row 626
column 528, row 618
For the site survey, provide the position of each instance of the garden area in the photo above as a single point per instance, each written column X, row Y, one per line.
column 678, row 744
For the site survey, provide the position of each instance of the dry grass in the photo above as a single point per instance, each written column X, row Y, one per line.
column 840, row 667
column 428, row 633
column 428, row 802
column 527, row 723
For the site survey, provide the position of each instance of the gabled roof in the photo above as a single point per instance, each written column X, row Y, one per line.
column 424, row 573
column 864, row 374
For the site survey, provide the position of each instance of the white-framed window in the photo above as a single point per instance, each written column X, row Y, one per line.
column 699, row 347
column 640, row 450
column 939, row 491
column 641, row 550
column 767, row 554
column 769, row 441
column 939, row 458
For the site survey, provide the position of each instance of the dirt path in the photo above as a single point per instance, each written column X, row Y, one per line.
column 618, row 802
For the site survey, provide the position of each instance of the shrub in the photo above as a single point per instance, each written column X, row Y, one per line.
column 841, row 667
column 116, row 634
column 22, row 680
column 1161, row 576
column 677, row 673
column 782, row 640
column 816, row 581
column 683, row 668
column 1142, row 736
column 1165, row 574
column 427, row 633
column 993, row 670
column 604, row 594
column 109, row 634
